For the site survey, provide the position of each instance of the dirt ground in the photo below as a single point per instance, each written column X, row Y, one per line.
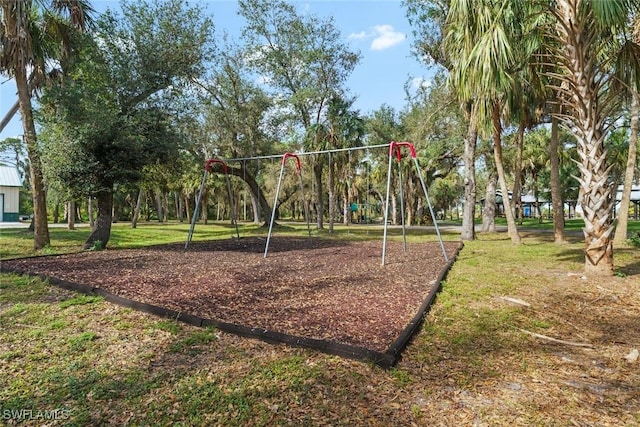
column 331, row 290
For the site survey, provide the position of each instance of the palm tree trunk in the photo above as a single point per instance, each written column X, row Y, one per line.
column 179, row 207
column 469, row 160
column 332, row 194
column 159, row 207
column 512, row 229
column 576, row 36
column 517, row 173
column 41, row 228
column 204, row 208
column 317, row 169
column 410, row 201
column 489, row 209
column 346, row 204
column 556, row 191
column 620, row 236
column 187, row 208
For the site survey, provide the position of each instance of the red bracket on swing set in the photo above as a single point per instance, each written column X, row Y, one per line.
column 395, row 146
column 208, row 163
column 295, row 156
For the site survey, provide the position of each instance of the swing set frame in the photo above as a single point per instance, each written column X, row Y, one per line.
column 395, row 151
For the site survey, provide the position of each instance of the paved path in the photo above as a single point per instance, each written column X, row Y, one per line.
column 26, row 225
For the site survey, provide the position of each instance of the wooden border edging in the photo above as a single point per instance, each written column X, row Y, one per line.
column 385, row 359
column 396, row 348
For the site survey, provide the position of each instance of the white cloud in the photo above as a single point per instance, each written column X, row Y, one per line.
column 382, row 37
column 386, row 37
column 420, row 83
column 358, row 36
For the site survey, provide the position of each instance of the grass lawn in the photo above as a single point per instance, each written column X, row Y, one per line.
column 71, row 359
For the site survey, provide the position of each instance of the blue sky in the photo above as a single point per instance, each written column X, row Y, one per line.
column 378, row 29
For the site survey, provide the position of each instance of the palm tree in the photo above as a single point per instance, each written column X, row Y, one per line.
column 591, row 36
column 29, row 37
column 620, row 236
column 554, row 183
column 344, row 129
column 536, row 159
column 459, row 39
column 490, row 43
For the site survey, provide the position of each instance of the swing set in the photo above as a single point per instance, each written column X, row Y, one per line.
column 395, row 151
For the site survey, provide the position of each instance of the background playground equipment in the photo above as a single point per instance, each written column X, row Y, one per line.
column 275, row 200
column 207, row 168
column 395, row 149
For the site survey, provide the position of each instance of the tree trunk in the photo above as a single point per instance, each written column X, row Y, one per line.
column 489, row 209
column 332, row 194
column 41, row 228
column 90, row 209
column 517, row 173
column 409, row 201
column 187, row 208
column 179, row 207
column 114, row 210
column 56, row 213
column 159, row 207
column 255, row 207
column 512, row 229
column 620, row 236
column 204, row 207
column 317, row 172
column 346, row 205
column 588, row 123
column 394, row 207
column 242, row 173
column 556, row 189
column 469, row 159
column 165, row 205
column 101, row 232
column 136, row 211
column 71, row 215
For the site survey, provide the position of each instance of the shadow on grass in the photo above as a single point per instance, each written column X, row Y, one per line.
column 632, row 268
column 109, row 380
column 574, row 255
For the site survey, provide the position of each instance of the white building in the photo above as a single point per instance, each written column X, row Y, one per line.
column 9, row 194
column 634, row 199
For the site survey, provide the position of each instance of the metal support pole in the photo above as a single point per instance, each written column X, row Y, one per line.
column 435, row 222
column 386, row 208
column 273, row 213
column 196, row 209
column 306, row 209
column 404, row 232
column 234, row 216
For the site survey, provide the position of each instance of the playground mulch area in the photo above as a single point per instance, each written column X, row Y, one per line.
column 334, row 295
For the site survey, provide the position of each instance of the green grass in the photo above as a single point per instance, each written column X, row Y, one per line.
column 80, row 300
column 105, row 365
column 19, row 242
column 16, row 243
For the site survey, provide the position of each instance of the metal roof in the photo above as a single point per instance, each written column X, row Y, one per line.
column 635, row 193
column 9, row 177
